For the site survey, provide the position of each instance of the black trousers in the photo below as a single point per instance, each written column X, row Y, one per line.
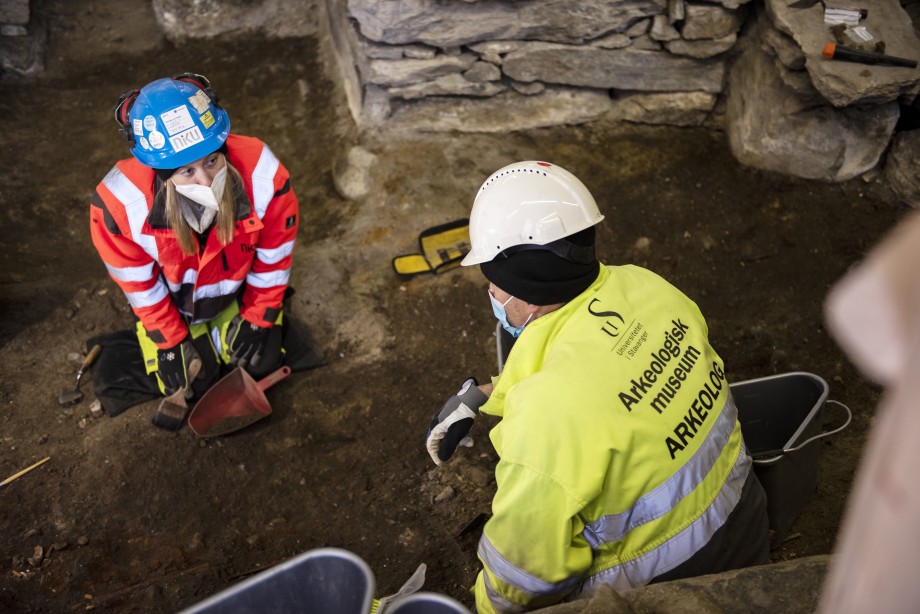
column 743, row 541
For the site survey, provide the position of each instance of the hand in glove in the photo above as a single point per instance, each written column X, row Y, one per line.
column 245, row 342
column 451, row 425
column 172, row 365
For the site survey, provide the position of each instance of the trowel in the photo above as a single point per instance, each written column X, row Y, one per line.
column 70, row 396
column 173, row 409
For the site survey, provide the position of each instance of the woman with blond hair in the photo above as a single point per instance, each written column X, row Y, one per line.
column 198, row 230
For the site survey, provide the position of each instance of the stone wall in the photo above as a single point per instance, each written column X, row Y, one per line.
column 22, row 37
column 498, row 65
column 755, row 70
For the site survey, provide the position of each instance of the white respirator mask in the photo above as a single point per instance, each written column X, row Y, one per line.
column 206, row 196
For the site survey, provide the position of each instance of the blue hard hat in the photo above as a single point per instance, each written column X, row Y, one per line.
column 173, row 122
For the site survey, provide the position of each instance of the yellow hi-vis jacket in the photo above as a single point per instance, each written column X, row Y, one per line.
column 619, row 445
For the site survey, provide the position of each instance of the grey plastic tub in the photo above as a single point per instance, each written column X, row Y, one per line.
column 427, row 603
column 781, row 417
column 320, row 581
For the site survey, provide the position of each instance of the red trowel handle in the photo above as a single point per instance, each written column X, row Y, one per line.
column 273, row 378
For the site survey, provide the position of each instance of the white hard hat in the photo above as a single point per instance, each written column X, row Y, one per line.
column 528, row 203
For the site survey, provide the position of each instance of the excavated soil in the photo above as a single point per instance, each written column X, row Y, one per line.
column 126, row 517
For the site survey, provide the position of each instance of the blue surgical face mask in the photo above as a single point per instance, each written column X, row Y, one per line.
column 499, row 310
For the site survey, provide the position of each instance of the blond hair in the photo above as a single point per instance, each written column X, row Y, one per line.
column 226, row 211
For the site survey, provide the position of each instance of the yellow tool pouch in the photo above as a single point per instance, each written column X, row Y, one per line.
column 442, row 248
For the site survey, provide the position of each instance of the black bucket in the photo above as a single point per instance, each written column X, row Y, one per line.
column 781, row 417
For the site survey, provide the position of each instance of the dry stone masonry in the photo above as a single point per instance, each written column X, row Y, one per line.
column 754, row 69
column 494, row 65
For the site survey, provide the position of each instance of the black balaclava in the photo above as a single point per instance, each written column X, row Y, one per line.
column 539, row 276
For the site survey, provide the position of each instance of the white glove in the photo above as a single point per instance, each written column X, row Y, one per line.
column 450, row 427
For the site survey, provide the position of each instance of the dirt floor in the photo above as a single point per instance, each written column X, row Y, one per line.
column 126, row 517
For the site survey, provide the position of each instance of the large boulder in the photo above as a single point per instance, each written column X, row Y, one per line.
column 776, row 121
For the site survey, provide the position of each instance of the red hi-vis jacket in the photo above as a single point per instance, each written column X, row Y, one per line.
column 129, row 230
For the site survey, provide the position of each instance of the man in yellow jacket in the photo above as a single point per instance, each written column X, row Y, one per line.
column 621, row 460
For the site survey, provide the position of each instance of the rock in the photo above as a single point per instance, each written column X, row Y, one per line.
column 448, row 85
column 670, row 108
column 419, row 52
column 845, row 83
column 505, row 112
column 662, row 30
column 445, row 495
column 377, row 51
column 613, row 41
column 626, row 69
column 784, row 47
column 95, row 408
column 639, row 28
column 82, row 540
column 351, row 174
column 482, row 72
column 445, row 24
column 37, row 555
column 829, row 145
column 646, row 43
column 528, row 89
column 393, row 73
column 902, row 167
column 711, row 22
column 476, row 475
column 702, row 48
column 677, row 10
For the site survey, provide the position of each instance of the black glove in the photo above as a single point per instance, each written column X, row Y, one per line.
column 172, row 365
column 245, row 342
column 451, row 425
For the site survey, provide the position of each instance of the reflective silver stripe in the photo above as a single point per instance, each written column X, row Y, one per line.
column 517, row 577
column 135, row 204
column 263, row 181
column 269, row 279
column 498, row 600
column 224, row 287
column 640, row 571
column 131, row 273
column 661, row 500
column 148, row 298
column 188, row 279
column 271, row 256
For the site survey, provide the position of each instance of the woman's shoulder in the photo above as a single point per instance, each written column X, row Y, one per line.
column 239, row 142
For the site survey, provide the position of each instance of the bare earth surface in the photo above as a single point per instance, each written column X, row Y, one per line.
column 130, row 518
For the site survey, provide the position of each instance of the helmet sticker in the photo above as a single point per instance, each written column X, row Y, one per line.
column 186, row 139
column 177, row 120
column 150, row 123
column 144, row 143
column 200, row 101
column 207, row 120
column 156, row 139
column 138, row 127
